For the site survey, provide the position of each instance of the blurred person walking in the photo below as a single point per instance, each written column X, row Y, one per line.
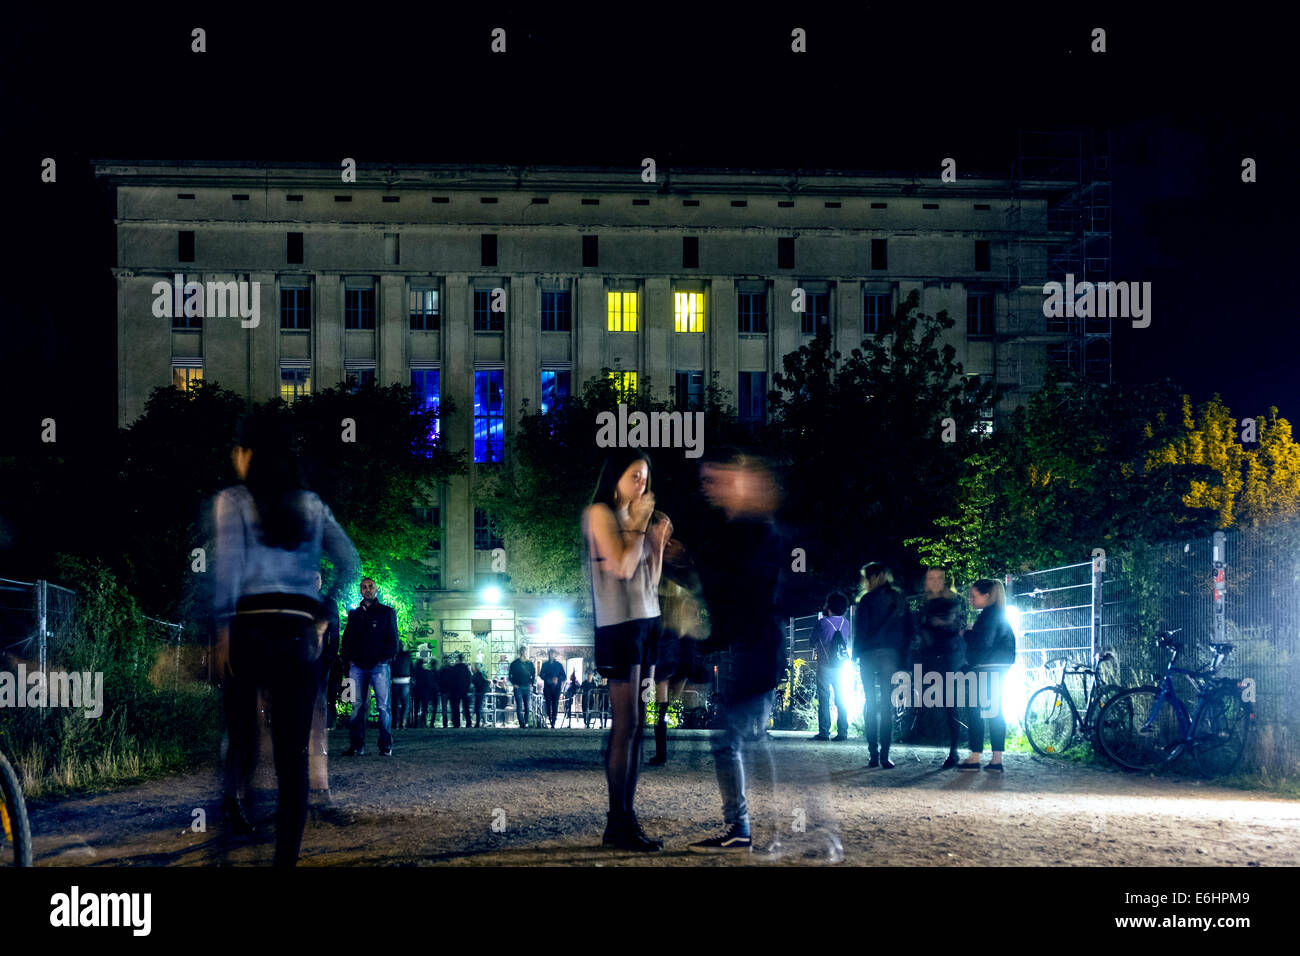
column 941, row 622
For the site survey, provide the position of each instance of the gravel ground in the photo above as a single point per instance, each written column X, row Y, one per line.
column 536, row 797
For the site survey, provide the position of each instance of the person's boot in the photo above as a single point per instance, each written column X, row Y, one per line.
column 885, row 762
column 661, row 746
column 236, row 822
column 875, row 757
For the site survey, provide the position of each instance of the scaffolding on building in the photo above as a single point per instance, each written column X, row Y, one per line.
column 1070, row 237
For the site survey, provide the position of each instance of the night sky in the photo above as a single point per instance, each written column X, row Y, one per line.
column 1186, row 98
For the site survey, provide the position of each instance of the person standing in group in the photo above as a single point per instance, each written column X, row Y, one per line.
column 446, row 688
column 461, row 681
column 941, row 620
column 990, row 652
column 481, row 686
column 424, row 685
column 370, row 642
column 883, row 635
column 270, row 532
column 830, row 642
column 588, row 691
column 522, row 674
column 571, row 689
column 400, row 671
column 552, row 676
column 625, row 537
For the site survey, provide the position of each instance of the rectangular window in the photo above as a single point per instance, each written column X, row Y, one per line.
column 489, row 414
column 185, row 375
column 358, row 308
column 295, row 308
column 590, row 251
column 879, row 254
column 875, row 311
column 431, row 518
column 817, row 312
column 425, row 383
column 622, row 307
column 690, row 390
column 179, row 319
column 358, row 378
column 294, row 383
column 751, row 313
column 689, row 310
column 785, row 252
column 185, row 246
column 1060, row 357
column 751, row 398
column 294, row 252
column 485, row 320
column 982, row 255
column 556, row 313
column 486, row 537
column 690, row 252
column 555, row 388
column 425, row 316
column 488, row 250
column 979, row 313
column 624, row 385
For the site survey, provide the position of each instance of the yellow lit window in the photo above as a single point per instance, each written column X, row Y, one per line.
column 624, row 384
column 622, row 311
column 689, row 307
column 294, row 383
column 182, row 376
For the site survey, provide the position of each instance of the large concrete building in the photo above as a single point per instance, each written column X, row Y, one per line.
column 391, row 279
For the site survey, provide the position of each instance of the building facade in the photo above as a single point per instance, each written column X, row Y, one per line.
column 496, row 285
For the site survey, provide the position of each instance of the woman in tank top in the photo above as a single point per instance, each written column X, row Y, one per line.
column 625, row 538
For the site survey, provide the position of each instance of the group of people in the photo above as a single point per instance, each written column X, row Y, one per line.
column 884, row 633
column 668, row 608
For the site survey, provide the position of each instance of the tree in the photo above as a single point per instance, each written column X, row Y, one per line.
column 873, row 443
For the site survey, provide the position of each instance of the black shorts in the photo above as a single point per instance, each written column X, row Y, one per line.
column 620, row 647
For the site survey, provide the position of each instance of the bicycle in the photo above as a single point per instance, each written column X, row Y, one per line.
column 1052, row 720
column 15, row 831
column 1145, row 728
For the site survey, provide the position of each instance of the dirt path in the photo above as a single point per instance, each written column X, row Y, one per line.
column 511, row 797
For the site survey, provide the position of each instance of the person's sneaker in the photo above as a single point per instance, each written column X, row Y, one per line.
column 840, row 737
column 950, row 762
column 885, row 762
column 874, row 761
column 820, row 737
column 386, row 753
column 735, row 839
column 658, row 760
column 355, row 752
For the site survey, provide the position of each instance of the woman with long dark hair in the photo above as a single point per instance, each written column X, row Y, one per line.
column 990, row 652
column 270, row 533
column 625, row 538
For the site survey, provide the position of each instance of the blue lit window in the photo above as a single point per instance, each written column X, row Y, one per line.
column 555, row 388
column 425, row 382
column 489, row 414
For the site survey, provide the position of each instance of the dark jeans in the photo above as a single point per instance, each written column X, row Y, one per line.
column 945, row 664
column 997, row 724
column 401, row 703
column 552, row 694
column 877, row 669
column 274, row 651
column 363, row 680
column 523, row 701
column 830, row 677
column 478, row 709
column 426, row 707
column 741, row 722
column 459, row 705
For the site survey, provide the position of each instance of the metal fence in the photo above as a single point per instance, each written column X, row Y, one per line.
column 36, row 621
column 1242, row 586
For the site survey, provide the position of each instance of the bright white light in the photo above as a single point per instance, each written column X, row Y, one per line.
column 551, row 623
column 492, row 595
column 1013, row 618
column 1015, row 694
column 851, row 681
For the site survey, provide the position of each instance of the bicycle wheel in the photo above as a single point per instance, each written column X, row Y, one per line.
column 1091, row 724
column 1049, row 721
column 1220, row 736
column 15, row 833
column 1139, row 730
column 904, row 722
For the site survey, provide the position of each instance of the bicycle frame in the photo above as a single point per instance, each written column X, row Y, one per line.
column 1186, row 722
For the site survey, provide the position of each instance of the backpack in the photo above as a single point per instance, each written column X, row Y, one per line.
column 839, row 648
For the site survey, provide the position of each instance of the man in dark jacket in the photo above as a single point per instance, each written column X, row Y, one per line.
column 424, row 684
column 882, row 637
column 445, row 681
column 522, row 675
column 460, row 681
column 552, row 683
column 481, row 686
column 369, row 643
column 739, row 554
